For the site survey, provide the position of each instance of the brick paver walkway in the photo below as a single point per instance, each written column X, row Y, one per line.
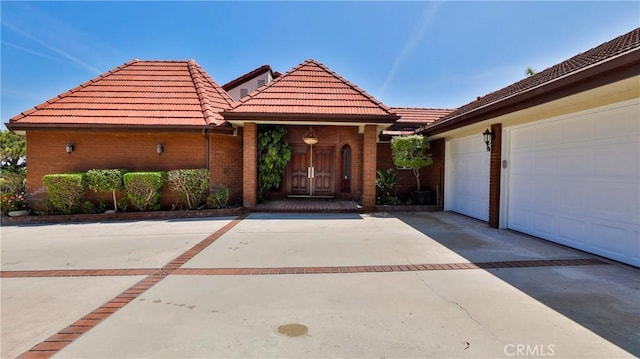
column 65, row 336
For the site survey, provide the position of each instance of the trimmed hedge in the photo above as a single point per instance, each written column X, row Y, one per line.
column 64, row 191
column 105, row 181
column 190, row 184
column 143, row 189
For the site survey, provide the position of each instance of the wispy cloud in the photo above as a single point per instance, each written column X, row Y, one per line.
column 30, row 51
column 59, row 51
column 46, row 36
column 412, row 42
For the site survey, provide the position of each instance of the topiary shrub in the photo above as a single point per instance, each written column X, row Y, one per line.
column 105, row 181
column 411, row 152
column 190, row 184
column 219, row 198
column 143, row 189
column 64, row 191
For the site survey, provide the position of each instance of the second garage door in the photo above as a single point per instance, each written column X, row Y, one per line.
column 575, row 181
column 467, row 177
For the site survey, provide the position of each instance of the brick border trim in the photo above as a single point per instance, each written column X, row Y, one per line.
column 174, row 268
column 77, row 273
column 66, row 336
column 388, row 268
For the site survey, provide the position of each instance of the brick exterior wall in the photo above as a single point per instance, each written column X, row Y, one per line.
column 135, row 151
column 225, row 164
column 431, row 177
column 131, row 150
column 494, row 176
column 249, row 162
column 369, row 168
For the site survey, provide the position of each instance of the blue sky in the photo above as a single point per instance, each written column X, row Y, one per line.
column 417, row 54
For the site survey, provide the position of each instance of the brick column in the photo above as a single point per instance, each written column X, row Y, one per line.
column 249, row 165
column 369, row 168
column 495, row 167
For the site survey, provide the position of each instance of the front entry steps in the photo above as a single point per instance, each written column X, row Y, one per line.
column 308, row 205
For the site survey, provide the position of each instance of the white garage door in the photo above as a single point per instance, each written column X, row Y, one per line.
column 467, row 177
column 575, row 180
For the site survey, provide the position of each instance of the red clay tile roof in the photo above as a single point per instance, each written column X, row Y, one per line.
column 310, row 90
column 411, row 118
column 248, row 76
column 137, row 93
column 416, row 116
column 601, row 53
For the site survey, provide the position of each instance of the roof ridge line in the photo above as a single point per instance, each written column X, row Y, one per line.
column 222, row 92
column 625, row 50
column 266, row 86
column 205, row 104
column 352, row 85
column 55, row 99
column 529, row 89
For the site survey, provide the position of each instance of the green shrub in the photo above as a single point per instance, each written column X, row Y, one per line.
column 274, row 153
column 411, row 152
column 12, row 190
column 64, row 191
column 143, row 189
column 190, row 184
column 88, row 208
column 385, row 182
column 219, row 198
column 105, row 181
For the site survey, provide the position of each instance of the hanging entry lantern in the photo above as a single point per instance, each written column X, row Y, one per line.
column 310, row 137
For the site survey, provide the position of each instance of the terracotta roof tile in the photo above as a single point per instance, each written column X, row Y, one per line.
column 137, row 93
column 411, row 118
column 601, row 53
column 310, row 89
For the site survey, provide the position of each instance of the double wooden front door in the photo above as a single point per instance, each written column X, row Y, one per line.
column 298, row 181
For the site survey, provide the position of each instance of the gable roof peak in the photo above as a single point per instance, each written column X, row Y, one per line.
column 137, row 93
column 311, row 89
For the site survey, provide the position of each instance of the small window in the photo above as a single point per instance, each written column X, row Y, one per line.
column 346, row 169
column 346, row 162
column 243, row 93
column 261, row 83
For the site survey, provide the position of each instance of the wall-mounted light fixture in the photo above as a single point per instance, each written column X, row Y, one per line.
column 489, row 136
column 69, row 147
column 159, row 149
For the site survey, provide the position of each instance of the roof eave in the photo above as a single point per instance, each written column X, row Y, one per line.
column 17, row 126
column 266, row 117
column 619, row 68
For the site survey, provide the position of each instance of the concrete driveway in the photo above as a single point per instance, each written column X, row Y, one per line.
column 302, row 285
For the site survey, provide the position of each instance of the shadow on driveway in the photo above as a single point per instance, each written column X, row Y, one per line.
column 603, row 298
